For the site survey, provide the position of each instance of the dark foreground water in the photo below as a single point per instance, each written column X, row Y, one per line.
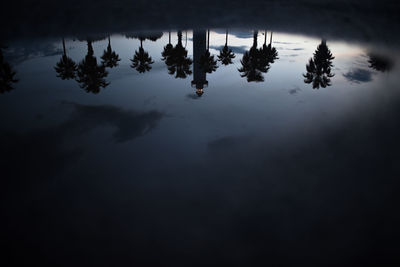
column 197, row 147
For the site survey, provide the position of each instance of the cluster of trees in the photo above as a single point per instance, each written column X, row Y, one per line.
column 255, row 62
column 88, row 73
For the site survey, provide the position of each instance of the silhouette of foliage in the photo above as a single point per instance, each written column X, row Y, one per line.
column 7, row 75
column 226, row 55
column 90, row 75
column 319, row 67
column 110, row 59
column 167, row 49
column 66, row 68
column 207, row 61
column 141, row 60
column 154, row 36
column 177, row 61
column 379, row 63
column 253, row 64
column 268, row 53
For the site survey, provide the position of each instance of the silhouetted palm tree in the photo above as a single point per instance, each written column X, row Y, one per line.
column 90, row 75
column 7, row 75
column 110, row 58
column 66, row 67
column 178, row 63
column 252, row 64
column 268, row 52
column 226, row 55
column 379, row 63
column 207, row 61
column 319, row 67
column 168, row 48
column 141, row 60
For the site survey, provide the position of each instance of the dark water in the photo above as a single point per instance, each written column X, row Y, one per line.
column 202, row 148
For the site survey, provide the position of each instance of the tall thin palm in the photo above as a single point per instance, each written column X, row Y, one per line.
column 207, row 61
column 178, row 63
column 141, row 61
column 90, row 75
column 226, row 55
column 168, row 48
column 319, row 68
column 7, row 75
column 110, row 59
column 66, row 67
column 252, row 64
column 268, row 53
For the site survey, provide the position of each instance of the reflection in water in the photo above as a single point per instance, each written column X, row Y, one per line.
column 254, row 63
column 66, row 67
column 176, row 58
column 110, row 58
column 90, row 75
column 199, row 51
column 153, row 170
column 319, row 67
column 141, row 60
column 207, row 61
column 226, row 55
column 268, row 53
column 7, row 75
column 379, row 63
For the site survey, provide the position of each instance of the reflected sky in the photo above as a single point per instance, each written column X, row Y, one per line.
column 119, row 148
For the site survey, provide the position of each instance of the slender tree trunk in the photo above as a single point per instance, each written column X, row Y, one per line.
column 169, row 37
column 90, row 48
column 265, row 37
column 255, row 35
column 226, row 38
column 270, row 40
column 141, row 43
column 208, row 40
column 109, row 41
column 65, row 51
column 186, row 39
column 179, row 38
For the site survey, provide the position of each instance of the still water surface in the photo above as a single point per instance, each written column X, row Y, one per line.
column 196, row 145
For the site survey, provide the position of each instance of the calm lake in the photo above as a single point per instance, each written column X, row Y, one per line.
column 199, row 146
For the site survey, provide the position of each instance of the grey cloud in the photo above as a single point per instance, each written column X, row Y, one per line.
column 236, row 49
column 358, row 75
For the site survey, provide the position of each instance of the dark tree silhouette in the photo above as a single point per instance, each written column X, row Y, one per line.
column 252, row 64
column 268, row 52
column 177, row 61
column 319, row 67
column 66, row 67
column 168, row 48
column 7, row 75
column 90, row 75
column 110, row 59
column 226, row 55
column 207, row 61
column 141, row 61
column 379, row 62
column 154, row 36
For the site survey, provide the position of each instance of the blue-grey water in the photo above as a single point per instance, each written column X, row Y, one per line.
column 176, row 158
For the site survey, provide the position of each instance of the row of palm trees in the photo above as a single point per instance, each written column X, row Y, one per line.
column 255, row 62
